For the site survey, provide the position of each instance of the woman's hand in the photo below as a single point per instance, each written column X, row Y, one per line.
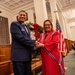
column 39, row 45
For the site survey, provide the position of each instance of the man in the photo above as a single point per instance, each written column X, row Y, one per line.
column 21, row 46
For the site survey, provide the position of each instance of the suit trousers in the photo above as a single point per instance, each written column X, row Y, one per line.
column 22, row 68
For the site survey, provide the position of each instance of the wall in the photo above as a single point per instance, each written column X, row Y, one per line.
column 73, row 33
column 30, row 16
column 11, row 15
column 6, row 13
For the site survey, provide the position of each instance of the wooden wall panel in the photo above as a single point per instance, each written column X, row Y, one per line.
column 69, row 44
column 5, row 53
column 5, row 68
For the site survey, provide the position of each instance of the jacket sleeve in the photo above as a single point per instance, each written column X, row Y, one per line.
column 17, row 35
column 53, row 43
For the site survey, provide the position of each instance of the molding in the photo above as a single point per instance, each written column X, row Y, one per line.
column 52, row 0
column 72, row 6
column 26, row 7
column 59, row 4
column 4, row 8
column 71, row 20
column 71, row 26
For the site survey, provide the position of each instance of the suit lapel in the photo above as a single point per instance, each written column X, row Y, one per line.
column 23, row 28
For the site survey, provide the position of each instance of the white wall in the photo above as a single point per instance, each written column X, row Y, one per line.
column 7, row 14
column 28, row 8
column 30, row 15
column 65, row 17
column 11, row 15
column 72, row 33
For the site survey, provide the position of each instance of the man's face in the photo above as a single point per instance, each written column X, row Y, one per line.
column 22, row 17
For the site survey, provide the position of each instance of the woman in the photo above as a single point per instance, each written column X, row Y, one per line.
column 52, row 64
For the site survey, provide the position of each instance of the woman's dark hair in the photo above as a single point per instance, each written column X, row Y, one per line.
column 49, row 22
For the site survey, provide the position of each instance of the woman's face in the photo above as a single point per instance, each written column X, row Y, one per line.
column 47, row 26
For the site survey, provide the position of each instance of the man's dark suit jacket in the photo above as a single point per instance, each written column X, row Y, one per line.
column 22, row 44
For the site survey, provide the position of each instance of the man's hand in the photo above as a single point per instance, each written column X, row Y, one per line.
column 39, row 45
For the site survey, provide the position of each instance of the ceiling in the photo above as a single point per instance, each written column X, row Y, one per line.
column 14, row 4
column 68, row 5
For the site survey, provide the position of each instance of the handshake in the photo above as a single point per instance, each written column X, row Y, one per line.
column 39, row 45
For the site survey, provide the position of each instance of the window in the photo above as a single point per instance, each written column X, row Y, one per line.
column 4, row 31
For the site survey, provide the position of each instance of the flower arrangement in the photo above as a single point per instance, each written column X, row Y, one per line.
column 36, row 28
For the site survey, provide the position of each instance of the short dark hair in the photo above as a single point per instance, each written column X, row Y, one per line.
column 22, row 11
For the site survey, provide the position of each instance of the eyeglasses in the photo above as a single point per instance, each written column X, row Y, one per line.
column 47, row 24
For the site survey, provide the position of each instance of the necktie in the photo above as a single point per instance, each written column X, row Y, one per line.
column 25, row 28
